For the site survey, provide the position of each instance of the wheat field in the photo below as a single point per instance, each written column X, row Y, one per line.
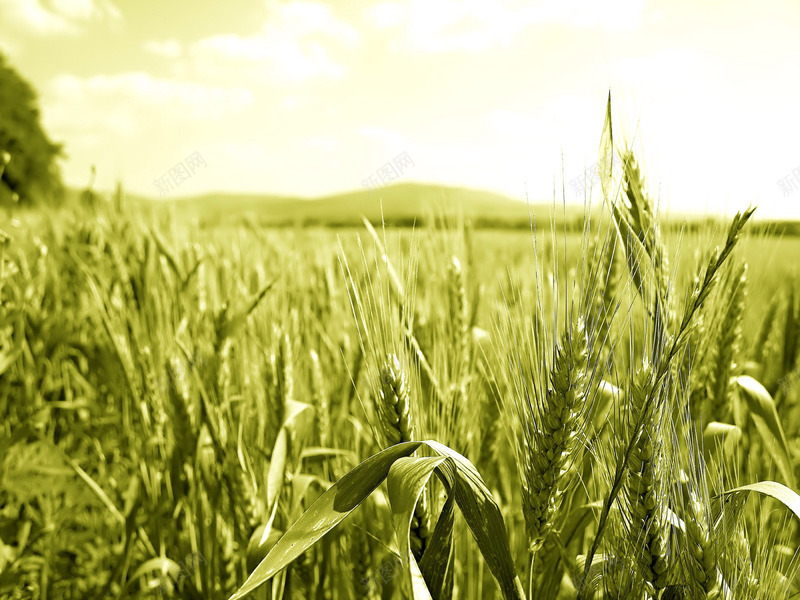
column 445, row 412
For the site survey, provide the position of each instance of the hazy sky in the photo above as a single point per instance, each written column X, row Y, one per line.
column 308, row 98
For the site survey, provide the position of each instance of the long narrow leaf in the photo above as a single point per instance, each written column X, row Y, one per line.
column 765, row 415
column 327, row 512
column 484, row 519
column 437, row 562
column 773, row 489
column 406, row 482
column 605, row 163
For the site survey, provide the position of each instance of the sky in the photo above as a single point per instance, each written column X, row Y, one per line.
column 307, row 98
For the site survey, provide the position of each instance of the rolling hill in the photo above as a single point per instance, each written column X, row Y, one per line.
column 401, row 204
column 404, row 203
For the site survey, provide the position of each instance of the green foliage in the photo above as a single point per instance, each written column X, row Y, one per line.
column 32, row 173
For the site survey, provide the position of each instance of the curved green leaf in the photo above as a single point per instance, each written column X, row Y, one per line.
column 406, row 483
column 276, row 474
column 723, row 435
column 577, row 520
column 605, row 162
column 595, row 572
column 765, row 416
column 437, row 562
column 319, row 452
column 484, row 519
column 161, row 565
column 294, row 410
column 773, row 489
column 322, row 516
column 479, row 508
column 295, row 420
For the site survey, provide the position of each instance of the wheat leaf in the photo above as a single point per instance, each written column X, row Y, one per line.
column 406, row 483
column 327, row 512
column 765, row 416
column 773, row 489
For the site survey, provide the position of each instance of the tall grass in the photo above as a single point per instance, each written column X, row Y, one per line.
column 189, row 412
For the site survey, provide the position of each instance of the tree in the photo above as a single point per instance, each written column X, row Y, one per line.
column 32, row 173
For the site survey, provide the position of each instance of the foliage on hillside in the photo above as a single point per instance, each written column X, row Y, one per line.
column 31, row 173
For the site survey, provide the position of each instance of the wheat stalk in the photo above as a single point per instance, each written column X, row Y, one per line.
column 460, row 317
column 645, row 487
column 721, row 364
column 702, row 551
column 551, row 435
column 397, row 424
column 320, row 394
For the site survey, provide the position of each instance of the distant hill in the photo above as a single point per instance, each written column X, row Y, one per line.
column 404, row 203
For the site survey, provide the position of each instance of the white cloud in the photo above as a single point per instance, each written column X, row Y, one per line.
column 386, row 14
column 34, row 18
column 611, row 15
column 86, row 10
column 134, row 126
column 293, row 46
column 276, row 58
column 448, row 25
column 120, row 103
column 68, row 17
column 478, row 25
column 170, row 48
column 301, row 18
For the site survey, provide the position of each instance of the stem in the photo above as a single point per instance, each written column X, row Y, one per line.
column 530, row 575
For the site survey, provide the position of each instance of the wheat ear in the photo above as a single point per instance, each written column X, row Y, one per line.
column 553, row 436
column 644, row 490
column 397, row 424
